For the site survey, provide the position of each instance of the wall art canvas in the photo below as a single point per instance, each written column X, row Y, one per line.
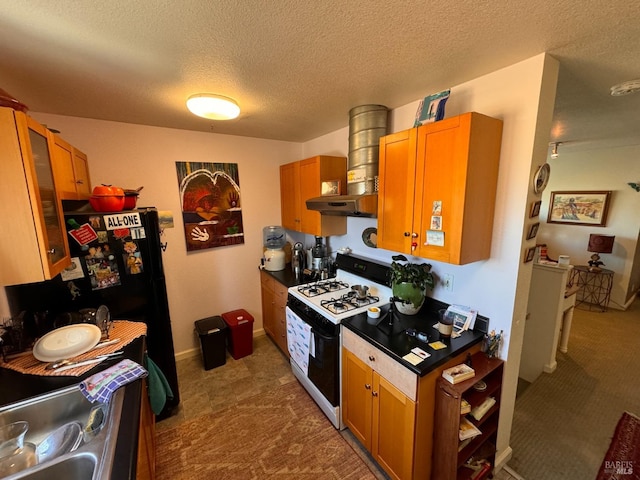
column 210, row 203
column 579, row 208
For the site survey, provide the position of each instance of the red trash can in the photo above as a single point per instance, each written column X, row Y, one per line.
column 240, row 325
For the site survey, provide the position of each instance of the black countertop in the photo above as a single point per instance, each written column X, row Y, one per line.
column 394, row 341
column 15, row 386
column 286, row 277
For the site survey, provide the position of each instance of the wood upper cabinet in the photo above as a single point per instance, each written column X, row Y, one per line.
column 70, row 170
column 302, row 180
column 33, row 244
column 437, row 189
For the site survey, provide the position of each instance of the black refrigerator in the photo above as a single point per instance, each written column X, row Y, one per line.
column 117, row 262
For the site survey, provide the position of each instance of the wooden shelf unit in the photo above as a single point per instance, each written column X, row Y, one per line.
column 448, row 457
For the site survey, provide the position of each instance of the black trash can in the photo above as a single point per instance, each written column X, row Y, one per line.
column 213, row 341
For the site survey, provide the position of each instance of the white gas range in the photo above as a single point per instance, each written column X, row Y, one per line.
column 314, row 312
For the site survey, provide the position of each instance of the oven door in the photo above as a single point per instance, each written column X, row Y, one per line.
column 324, row 363
column 315, row 351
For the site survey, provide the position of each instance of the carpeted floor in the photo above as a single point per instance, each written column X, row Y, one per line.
column 278, row 434
column 564, row 421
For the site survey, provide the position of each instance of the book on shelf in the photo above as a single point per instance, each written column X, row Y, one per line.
column 458, row 373
column 464, row 443
column 465, row 407
column 467, row 430
column 480, row 411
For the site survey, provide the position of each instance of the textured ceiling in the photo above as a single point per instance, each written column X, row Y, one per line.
column 297, row 67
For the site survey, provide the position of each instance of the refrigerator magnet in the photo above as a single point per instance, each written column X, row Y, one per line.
column 435, row 238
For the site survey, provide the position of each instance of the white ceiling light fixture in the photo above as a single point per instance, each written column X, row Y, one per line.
column 625, row 88
column 554, row 150
column 212, row 106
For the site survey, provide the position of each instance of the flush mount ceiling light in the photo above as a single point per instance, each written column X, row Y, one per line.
column 625, row 88
column 213, row 107
column 554, row 150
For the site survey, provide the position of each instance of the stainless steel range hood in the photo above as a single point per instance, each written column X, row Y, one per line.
column 365, row 205
column 367, row 123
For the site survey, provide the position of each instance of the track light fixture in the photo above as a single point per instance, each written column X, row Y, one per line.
column 554, row 151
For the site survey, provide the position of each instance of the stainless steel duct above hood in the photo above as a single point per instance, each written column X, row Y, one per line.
column 367, row 123
column 346, row 205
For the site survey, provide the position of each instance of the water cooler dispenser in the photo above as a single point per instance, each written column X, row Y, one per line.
column 273, row 240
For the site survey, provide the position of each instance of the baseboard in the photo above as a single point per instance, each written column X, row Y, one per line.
column 502, row 458
column 194, row 352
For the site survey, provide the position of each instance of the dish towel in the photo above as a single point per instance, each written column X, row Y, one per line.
column 100, row 387
column 159, row 388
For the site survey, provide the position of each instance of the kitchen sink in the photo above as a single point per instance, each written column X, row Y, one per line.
column 46, row 413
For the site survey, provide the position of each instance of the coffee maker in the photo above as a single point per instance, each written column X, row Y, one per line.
column 318, row 256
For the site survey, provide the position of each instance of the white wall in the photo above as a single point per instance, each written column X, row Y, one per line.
column 583, row 172
column 203, row 283
column 523, row 96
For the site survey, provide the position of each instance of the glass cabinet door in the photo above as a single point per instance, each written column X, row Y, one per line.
column 51, row 216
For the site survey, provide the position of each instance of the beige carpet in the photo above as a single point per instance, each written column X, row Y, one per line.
column 564, row 421
column 280, row 434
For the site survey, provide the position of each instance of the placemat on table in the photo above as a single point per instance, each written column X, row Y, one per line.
column 125, row 330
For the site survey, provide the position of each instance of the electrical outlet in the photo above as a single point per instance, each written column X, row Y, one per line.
column 447, row 282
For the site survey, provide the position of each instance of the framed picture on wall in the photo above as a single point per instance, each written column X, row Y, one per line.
column 331, row 187
column 533, row 231
column 535, row 209
column 579, row 208
column 529, row 254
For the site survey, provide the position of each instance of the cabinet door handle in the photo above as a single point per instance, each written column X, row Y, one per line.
column 374, row 393
column 367, row 386
column 414, row 235
column 372, row 358
column 407, row 234
column 79, row 182
column 52, row 251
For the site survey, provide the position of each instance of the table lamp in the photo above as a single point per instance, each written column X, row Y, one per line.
column 599, row 244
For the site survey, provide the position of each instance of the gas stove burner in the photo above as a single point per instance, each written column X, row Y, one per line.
column 312, row 290
column 320, row 288
column 332, row 285
column 347, row 302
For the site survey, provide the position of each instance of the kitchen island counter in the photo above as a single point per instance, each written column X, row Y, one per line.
column 393, row 340
column 16, row 386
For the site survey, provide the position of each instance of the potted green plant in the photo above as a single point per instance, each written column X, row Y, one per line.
column 409, row 283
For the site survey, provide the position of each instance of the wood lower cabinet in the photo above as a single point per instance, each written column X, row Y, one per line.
column 379, row 415
column 33, row 244
column 450, row 454
column 302, row 180
column 437, row 189
column 274, row 302
column 71, row 171
column 388, row 408
column 146, row 463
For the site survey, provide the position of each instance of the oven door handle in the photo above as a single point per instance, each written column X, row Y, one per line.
column 324, row 337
